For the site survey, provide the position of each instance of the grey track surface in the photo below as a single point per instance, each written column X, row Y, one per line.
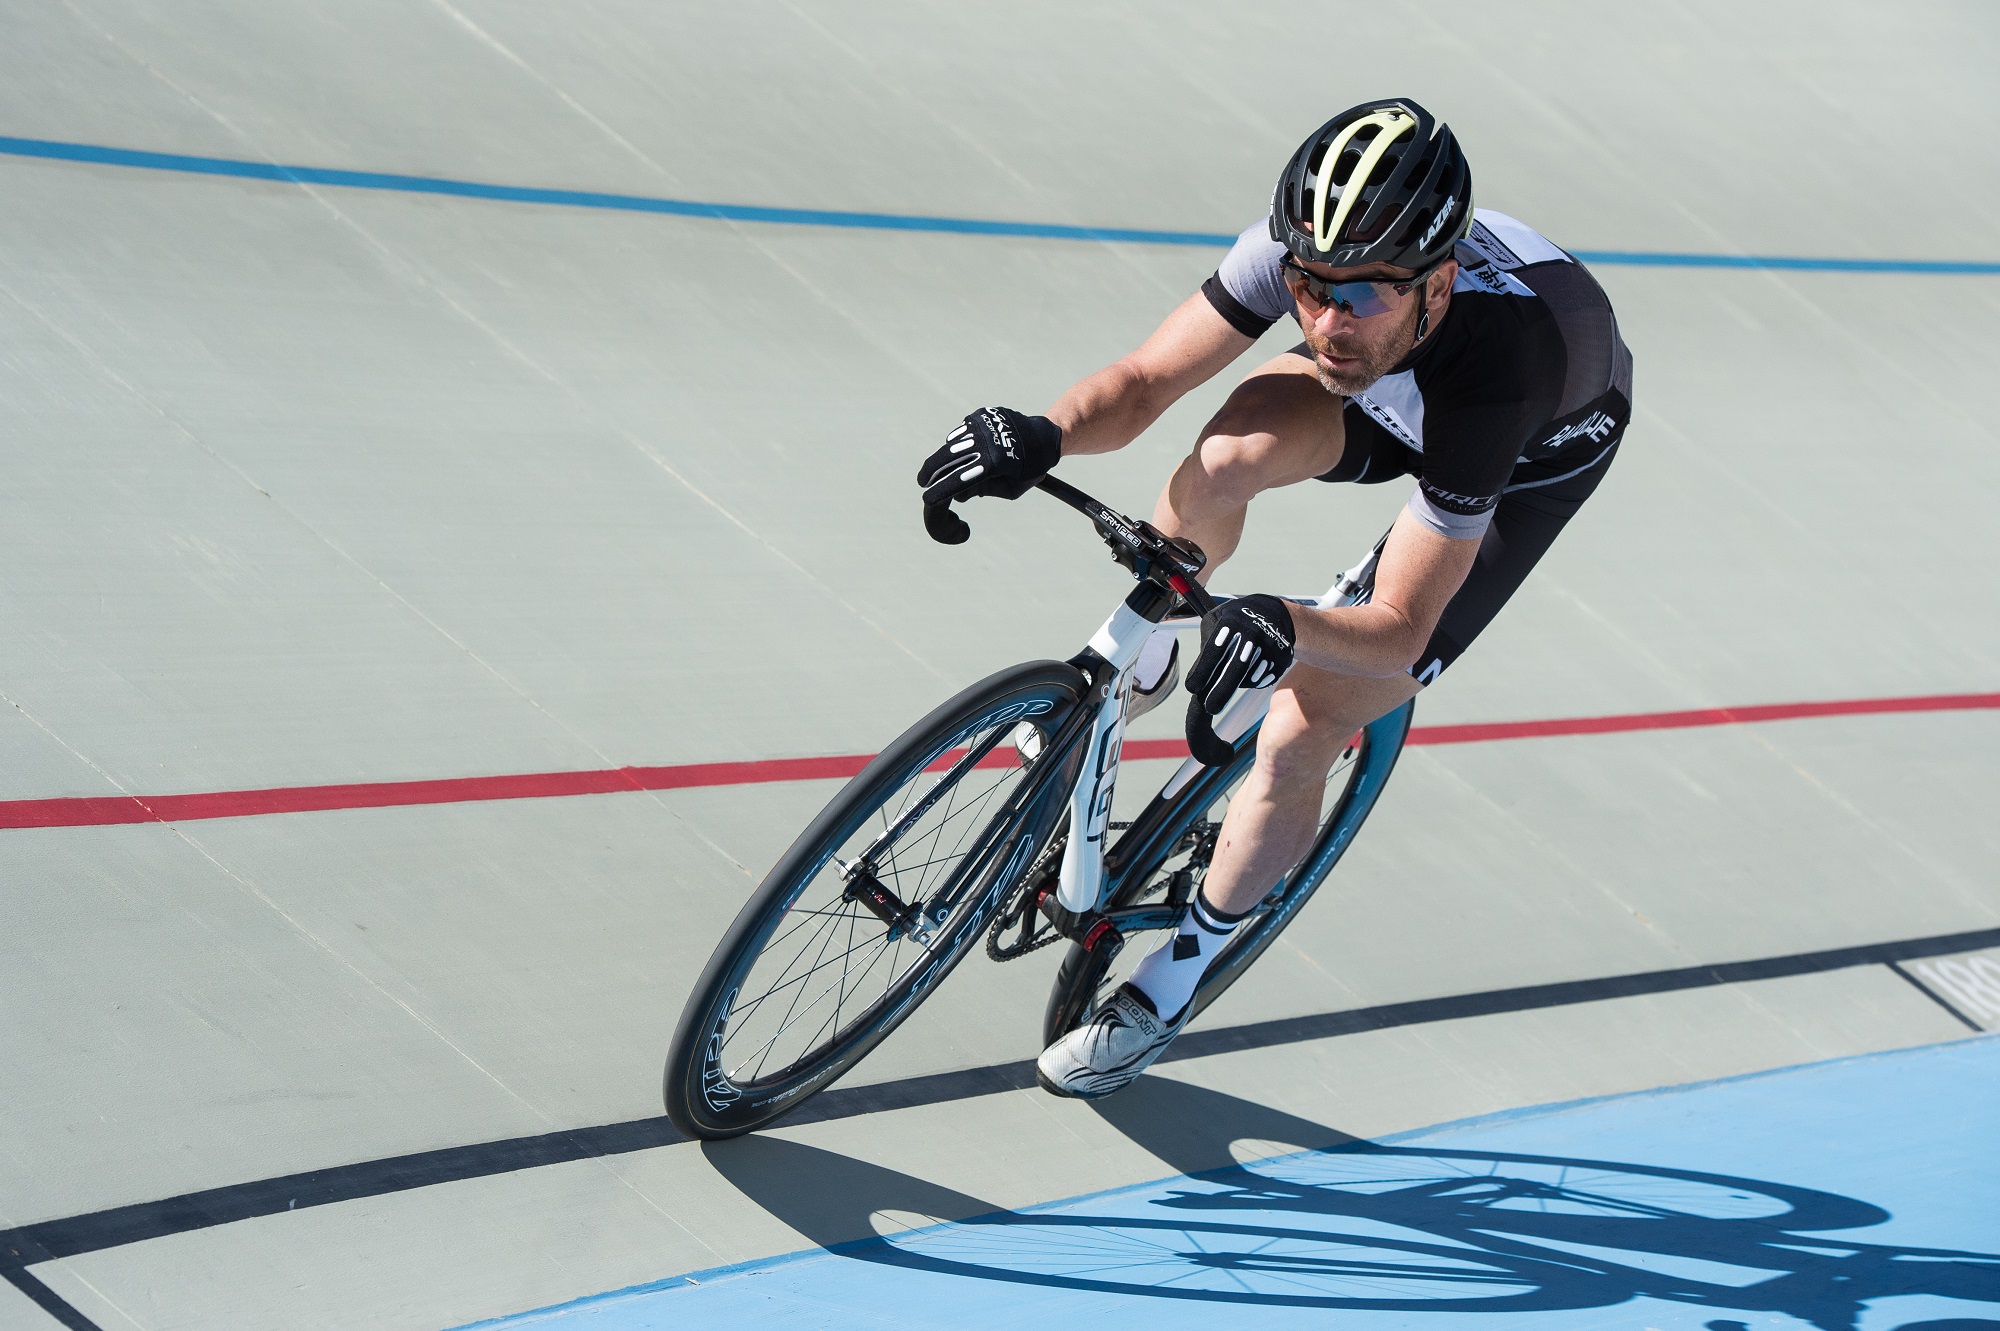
column 303, row 485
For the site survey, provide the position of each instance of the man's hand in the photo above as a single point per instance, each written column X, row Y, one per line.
column 1245, row 642
column 994, row 451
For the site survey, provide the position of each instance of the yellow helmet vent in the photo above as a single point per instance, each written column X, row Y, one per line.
column 1393, row 124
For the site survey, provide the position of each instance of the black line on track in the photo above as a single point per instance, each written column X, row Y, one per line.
column 50, row 1302
column 71, row 1236
column 1937, row 998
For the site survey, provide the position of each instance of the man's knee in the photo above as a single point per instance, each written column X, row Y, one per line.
column 1227, row 467
column 1275, row 429
column 1313, row 716
column 1295, row 747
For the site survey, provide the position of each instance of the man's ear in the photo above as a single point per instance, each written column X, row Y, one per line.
column 1439, row 285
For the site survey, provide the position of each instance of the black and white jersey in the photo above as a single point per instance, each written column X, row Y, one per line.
column 1523, row 383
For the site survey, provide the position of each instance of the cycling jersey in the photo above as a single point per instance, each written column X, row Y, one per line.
column 1524, row 382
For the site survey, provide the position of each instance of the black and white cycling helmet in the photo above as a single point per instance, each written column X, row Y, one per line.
column 1382, row 182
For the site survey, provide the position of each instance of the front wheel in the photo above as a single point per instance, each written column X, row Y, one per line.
column 1167, row 850
column 873, row 904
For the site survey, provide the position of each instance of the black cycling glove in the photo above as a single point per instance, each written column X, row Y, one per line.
column 995, row 451
column 1245, row 642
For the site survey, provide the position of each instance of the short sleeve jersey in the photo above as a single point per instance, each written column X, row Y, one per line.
column 1524, row 382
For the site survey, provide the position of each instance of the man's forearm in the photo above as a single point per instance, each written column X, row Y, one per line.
column 1106, row 411
column 1374, row 641
column 1115, row 406
column 1418, row 574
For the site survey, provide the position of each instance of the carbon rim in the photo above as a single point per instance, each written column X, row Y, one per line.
column 827, row 971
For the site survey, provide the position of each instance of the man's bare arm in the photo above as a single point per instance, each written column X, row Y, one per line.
column 1419, row 573
column 1113, row 407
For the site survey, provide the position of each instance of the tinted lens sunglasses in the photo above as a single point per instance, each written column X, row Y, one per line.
column 1362, row 300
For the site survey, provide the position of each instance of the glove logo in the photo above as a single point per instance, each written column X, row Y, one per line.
column 1266, row 625
column 1002, row 436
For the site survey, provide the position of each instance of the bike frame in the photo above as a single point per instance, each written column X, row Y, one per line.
column 1082, row 884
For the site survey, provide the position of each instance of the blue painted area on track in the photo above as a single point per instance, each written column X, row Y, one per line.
column 100, row 155
column 1856, row 1195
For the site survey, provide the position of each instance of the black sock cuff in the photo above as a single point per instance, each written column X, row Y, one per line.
column 1213, row 920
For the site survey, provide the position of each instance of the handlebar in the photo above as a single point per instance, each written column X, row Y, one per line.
column 1158, row 558
column 1151, row 556
column 945, row 526
column 1209, row 749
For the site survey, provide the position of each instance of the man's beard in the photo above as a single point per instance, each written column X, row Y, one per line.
column 1373, row 359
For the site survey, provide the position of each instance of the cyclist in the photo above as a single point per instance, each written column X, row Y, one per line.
column 1453, row 345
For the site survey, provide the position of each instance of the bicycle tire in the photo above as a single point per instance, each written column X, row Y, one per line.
column 1363, row 771
column 706, row 1090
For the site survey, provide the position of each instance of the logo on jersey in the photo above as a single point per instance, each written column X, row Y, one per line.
column 1483, row 242
column 1458, row 503
column 1593, row 427
column 1388, row 420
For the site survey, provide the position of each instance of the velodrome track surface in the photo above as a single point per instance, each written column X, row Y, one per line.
column 409, row 397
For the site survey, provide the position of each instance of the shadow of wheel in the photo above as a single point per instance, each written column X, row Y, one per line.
column 1216, row 1261
column 1382, row 1229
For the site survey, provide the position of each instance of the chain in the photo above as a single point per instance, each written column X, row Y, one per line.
column 1018, row 910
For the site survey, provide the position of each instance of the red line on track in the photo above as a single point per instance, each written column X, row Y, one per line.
column 108, row 810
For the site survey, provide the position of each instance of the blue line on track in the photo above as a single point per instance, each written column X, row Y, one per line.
column 732, row 212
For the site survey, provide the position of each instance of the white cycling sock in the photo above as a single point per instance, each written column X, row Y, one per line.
column 1170, row 973
column 1154, row 658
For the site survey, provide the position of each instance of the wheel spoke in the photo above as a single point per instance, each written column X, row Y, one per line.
column 828, row 962
column 748, row 1009
column 786, row 1025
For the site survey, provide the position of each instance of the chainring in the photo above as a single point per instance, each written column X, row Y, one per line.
column 1018, row 908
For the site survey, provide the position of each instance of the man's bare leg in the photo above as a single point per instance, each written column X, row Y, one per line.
column 1273, row 815
column 1270, row 823
column 1279, row 427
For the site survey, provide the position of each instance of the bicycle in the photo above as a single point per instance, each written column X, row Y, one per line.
column 967, row 825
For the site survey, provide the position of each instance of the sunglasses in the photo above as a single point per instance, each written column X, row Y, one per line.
column 1361, row 300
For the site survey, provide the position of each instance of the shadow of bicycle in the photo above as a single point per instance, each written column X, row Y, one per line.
column 1347, row 1224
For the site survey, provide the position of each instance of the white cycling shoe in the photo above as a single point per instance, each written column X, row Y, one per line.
column 1108, row 1052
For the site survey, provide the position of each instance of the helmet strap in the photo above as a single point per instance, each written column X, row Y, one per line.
column 1424, row 308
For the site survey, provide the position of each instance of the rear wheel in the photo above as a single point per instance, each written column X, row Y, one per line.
column 872, row 906
column 1167, row 850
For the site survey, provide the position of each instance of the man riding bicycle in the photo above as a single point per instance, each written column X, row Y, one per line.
column 1455, row 346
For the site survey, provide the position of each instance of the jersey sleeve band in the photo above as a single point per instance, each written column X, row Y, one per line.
column 1446, row 523
column 1244, row 321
